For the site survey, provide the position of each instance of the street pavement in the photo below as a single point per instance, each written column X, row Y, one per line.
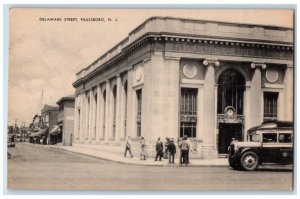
column 40, row 167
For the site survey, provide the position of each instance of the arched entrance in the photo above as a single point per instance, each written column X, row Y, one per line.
column 230, row 105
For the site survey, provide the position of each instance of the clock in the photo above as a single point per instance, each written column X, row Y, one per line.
column 230, row 112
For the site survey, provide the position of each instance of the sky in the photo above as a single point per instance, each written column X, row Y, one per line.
column 44, row 56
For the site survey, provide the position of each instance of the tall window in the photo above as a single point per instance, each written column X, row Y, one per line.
column 104, row 107
column 188, row 112
column 125, row 104
column 231, row 86
column 139, row 112
column 96, row 107
column 78, row 123
column 270, row 106
column 88, row 114
column 115, row 110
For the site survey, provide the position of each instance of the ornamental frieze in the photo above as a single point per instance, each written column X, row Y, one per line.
column 230, row 50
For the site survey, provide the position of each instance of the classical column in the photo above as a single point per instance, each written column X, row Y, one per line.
column 98, row 110
column 247, row 110
column 86, row 113
column 76, row 118
column 122, row 111
column 81, row 120
column 95, row 106
column 289, row 97
column 91, row 114
column 130, row 108
column 118, row 109
column 256, row 96
column 209, row 112
column 107, row 114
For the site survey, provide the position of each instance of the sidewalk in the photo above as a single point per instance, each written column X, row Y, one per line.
column 116, row 157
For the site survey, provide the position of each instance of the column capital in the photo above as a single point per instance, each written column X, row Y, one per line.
column 258, row 65
column 208, row 62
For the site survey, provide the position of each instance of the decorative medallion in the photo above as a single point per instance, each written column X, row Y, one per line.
column 272, row 75
column 189, row 70
column 230, row 113
column 138, row 73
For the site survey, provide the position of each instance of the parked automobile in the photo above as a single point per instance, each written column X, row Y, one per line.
column 270, row 142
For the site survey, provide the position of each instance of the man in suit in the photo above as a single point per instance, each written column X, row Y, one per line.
column 159, row 149
column 171, row 150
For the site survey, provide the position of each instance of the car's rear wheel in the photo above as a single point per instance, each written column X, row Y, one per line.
column 249, row 161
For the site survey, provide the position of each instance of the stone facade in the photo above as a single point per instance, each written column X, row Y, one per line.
column 66, row 119
column 172, row 77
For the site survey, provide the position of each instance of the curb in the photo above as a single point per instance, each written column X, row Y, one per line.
column 131, row 163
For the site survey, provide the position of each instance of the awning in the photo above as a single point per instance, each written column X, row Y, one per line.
column 40, row 132
column 56, row 130
column 31, row 133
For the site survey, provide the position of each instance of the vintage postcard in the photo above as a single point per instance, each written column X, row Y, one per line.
column 151, row 99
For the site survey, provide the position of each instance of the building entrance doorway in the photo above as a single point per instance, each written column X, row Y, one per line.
column 230, row 108
column 227, row 131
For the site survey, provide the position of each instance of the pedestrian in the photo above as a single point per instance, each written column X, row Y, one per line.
column 143, row 148
column 128, row 147
column 166, row 146
column 159, row 149
column 184, row 148
column 171, row 150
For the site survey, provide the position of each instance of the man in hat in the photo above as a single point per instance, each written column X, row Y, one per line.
column 171, row 150
column 184, row 148
column 159, row 149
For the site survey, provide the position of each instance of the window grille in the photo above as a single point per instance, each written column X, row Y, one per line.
column 270, row 106
column 139, row 112
column 188, row 112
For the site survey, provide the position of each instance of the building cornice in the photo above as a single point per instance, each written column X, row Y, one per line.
column 126, row 46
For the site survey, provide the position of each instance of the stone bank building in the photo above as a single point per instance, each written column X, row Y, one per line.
column 172, row 77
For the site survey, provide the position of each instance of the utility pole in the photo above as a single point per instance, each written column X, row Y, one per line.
column 42, row 96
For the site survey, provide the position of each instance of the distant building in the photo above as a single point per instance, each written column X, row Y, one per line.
column 66, row 118
column 35, row 129
column 49, row 116
column 171, row 77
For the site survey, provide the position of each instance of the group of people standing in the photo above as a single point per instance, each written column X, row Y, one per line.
column 168, row 153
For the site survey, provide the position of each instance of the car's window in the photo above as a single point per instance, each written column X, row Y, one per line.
column 284, row 138
column 269, row 137
column 254, row 138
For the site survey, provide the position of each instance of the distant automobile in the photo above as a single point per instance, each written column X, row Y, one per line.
column 11, row 140
column 268, row 143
